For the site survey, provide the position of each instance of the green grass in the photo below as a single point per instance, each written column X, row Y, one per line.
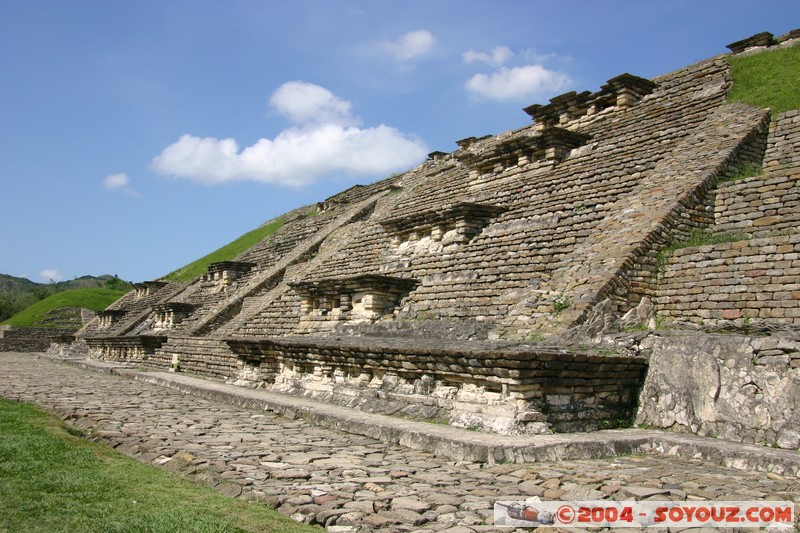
column 94, row 299
column 749, row 171
column 52, row 481
column 697, row 238
column 227, row 252
column 768, row 79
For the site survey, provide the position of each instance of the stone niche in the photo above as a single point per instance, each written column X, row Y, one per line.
column 167, row 315
column 124, row 348
column 450, row 224
column 549, row 145
column 366, row 297
column 109, row 317
column 759, row 39
column 148, row 288
column 224, row 273
column 622, row 91
column 508, row 388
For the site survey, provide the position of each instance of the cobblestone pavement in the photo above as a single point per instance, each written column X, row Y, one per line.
column 336, row 479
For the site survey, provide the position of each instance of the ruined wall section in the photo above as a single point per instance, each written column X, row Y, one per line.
column 502, row 387
column 749, row 279
column 753, row 279
column 550, row 208
column 768, row 204
column 759, row 206
column 661, row 207
column 740, row 388
column 14, row 339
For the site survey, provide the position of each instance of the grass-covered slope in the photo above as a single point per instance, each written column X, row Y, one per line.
column 767, row 79
column 94, row 299
column 54, row 481
column 227, row 252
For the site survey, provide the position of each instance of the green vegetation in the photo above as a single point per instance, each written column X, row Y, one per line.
column 561, row 303
column 227, row 252
column 94, row 299
column 17, row 294
column 53, row 481
column 768, row 79
column 748, row 171
column 697, row 238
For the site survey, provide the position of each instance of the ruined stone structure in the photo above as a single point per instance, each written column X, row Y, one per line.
column 429, row 293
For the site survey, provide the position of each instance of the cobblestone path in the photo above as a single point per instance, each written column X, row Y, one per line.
column 336, row 479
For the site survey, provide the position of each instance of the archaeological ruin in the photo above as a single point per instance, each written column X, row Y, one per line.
column 527, row 282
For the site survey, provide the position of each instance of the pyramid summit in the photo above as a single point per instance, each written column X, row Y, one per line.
column 523, row 282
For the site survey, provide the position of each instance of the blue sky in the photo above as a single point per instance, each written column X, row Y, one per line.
column 138, row 136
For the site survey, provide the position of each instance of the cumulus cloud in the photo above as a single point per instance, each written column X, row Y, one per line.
column 325, row 140
column 119, row 182
column 498, row 56
column 411, row 45
column 517, row 83
column 50, row 274
column 307, row 103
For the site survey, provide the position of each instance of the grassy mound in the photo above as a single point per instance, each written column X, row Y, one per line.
column 94, row 299
column 227, row 252
column 54, row 481
column 768, row 79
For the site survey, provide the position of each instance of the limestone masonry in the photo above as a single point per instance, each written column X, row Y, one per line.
column 518, row 284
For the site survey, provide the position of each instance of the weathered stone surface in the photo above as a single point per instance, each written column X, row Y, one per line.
column 531, row 488
column 410, row 503
column 718, row 385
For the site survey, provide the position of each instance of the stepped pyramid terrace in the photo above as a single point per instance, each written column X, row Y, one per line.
column 527, row 282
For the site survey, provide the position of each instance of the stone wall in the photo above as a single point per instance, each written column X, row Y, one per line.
column 768, row 204
column 200, row 356
column 760, row 205
column 33, row 339
column 740, row 388
column 755, row 279
column 783, row 150
column 507, row 388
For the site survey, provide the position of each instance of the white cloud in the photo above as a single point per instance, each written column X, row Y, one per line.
column 119, row 182
column 307, row 103
column 116, row 181
column 50, row 274
column 498, row 56
column 324, row 141
column 411, row 45
column 517, row 83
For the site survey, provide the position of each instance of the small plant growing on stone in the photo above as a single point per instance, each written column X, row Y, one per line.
column 561, row 303
column 746, row 325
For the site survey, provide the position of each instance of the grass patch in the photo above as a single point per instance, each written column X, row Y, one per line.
column 768, row 79
column 53, row 481
column 94, row 299
column 697, row 238
column 227, row 252
column 749, row 171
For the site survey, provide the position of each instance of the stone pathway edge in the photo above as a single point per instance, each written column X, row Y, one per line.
column 463, row 445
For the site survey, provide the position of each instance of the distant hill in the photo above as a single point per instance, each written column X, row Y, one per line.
column 17, row 294
column 13, row 283
column 62, row 309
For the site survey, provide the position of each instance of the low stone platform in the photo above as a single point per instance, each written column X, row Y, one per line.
column 356, row 482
